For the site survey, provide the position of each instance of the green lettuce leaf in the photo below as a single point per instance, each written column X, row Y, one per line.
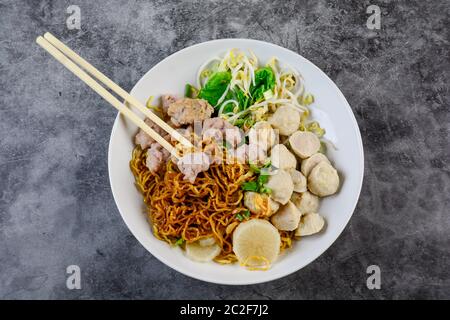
column 242, row 99
column 215, row 87
column 264, row 80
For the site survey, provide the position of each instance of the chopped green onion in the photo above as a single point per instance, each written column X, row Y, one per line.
column 179, row 242
column 239, row 217
column 266, row 190
column 187, row 90
column 246, row 214
column 258, row 185
column 250, row 186
column 262, row 179
column 267, row 164
column 254, row 168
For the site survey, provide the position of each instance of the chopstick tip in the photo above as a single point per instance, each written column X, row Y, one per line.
column 47, row 35
column 39, row 39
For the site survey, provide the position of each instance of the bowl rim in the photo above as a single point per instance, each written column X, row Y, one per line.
column 275, row 276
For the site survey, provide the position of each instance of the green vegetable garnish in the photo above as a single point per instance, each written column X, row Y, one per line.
column 259, row 184
column 239, row 217
column 266, row 168
column 265, row 190
column 246, row 214
column 215, row 87
column 254, row 168
column 179, row 242
column 264, row 81
column 228, row 108
column 262, row 179
column 190, row 91
column 250, row 186
column 242, row 99
column 267, row 164
column 239, row 122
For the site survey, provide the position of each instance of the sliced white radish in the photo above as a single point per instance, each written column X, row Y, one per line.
column 196, row 252
column 256, row 243
column 205, row 242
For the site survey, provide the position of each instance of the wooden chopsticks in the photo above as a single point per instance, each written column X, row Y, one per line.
column 70, row 59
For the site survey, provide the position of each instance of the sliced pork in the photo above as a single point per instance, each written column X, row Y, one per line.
column 157, row 157
column 143, row 139
column 221, row 130
column 166, row 101
column 186, row 111
column 192, row 164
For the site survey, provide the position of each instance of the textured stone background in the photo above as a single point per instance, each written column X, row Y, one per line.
column 56, row 207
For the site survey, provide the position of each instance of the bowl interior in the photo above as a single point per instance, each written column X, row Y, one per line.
column 330, row 109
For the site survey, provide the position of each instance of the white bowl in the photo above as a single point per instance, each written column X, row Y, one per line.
column 330, row 109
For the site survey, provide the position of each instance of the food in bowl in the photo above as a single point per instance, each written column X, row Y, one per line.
column 250, row 183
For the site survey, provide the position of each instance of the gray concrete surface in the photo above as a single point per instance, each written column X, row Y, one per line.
column 56, row 207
